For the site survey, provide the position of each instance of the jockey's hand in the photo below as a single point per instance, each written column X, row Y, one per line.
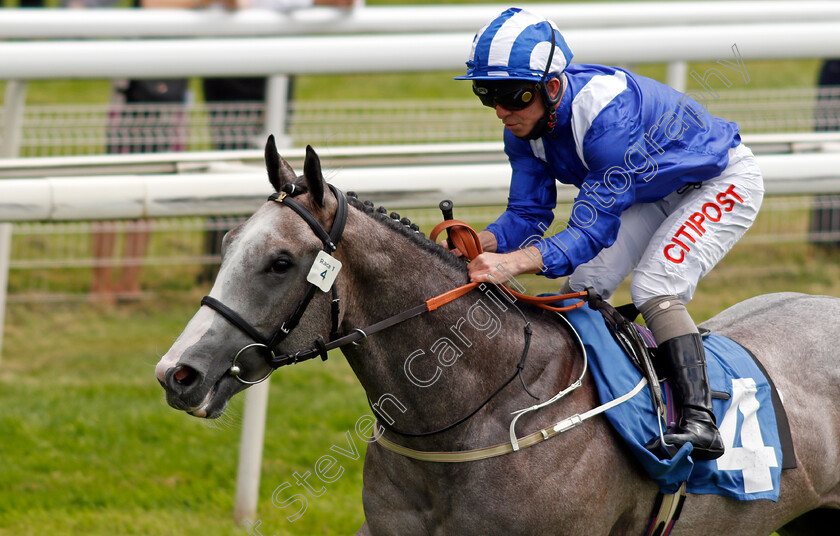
column 500, row 267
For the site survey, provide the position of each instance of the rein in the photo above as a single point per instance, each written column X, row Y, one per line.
column 466, row 240
column 463, row 237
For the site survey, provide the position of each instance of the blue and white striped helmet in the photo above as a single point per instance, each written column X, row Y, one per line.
column 517, row 45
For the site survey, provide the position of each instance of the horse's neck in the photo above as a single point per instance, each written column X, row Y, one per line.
column 433, row 369
column 387, row 272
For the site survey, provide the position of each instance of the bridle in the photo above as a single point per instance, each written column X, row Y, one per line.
column 320, row 348
column 464, row 237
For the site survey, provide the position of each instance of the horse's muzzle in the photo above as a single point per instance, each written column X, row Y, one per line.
column 183, row 385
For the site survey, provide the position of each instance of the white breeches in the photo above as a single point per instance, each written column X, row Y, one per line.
column 669, row 245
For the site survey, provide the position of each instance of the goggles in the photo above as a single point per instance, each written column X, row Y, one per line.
column 509, row 96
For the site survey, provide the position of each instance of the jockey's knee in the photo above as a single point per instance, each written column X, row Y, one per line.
column 666, row 317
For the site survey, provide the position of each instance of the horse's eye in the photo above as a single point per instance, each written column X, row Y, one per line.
column 281, row 265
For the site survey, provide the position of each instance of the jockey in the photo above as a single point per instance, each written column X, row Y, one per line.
column 665, row 191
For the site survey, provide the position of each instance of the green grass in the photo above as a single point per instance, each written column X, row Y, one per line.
column 90, row 448
column 432, row 85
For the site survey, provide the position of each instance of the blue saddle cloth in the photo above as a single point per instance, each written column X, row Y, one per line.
column 751, row 467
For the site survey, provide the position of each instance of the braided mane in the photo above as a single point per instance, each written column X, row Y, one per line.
column 404, row 227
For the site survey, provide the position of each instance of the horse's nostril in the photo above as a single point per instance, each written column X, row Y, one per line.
column 185, row 375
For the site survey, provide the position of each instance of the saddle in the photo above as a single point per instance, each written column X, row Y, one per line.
column 636, row 341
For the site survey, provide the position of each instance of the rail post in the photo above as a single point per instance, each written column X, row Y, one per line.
column 13, row 118
column 250, row 453
column 5, row 260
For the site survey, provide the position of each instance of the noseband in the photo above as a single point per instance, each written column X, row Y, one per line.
column 330, row 240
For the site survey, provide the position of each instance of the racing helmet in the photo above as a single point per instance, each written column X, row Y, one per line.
column 518, row 46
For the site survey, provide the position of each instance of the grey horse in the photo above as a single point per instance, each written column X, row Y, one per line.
column 583, row 482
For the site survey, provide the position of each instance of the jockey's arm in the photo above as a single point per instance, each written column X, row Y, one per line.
column 488, row 241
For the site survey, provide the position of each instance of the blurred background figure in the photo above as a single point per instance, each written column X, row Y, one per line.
column 105, row 288
column 240, row 127
column 146, row 116
column 825, row 214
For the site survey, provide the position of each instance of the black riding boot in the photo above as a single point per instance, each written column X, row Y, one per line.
column 686, row 361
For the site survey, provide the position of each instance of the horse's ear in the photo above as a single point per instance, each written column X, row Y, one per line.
column 272, row 163
column 279, row 171
column 314, row 178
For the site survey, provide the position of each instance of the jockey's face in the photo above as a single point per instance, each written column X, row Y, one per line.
column 521, row 122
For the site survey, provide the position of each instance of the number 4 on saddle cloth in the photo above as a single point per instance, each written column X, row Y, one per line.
column 748, row 410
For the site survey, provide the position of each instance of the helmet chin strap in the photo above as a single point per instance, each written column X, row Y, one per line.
column 549, row 119
column 543, row 126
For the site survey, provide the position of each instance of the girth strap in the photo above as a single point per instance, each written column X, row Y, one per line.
column 666, row 512
column 501, row 449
